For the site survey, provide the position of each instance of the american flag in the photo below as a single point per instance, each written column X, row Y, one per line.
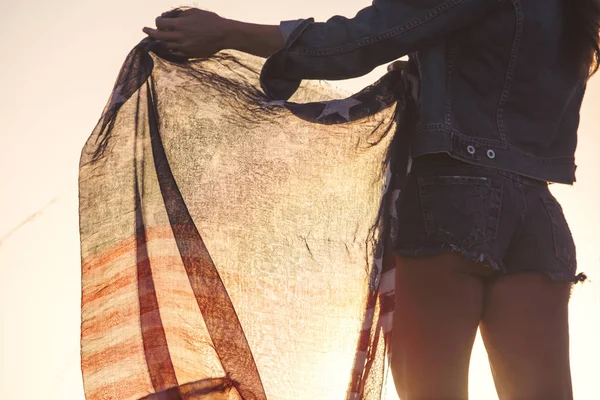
column 234, row 247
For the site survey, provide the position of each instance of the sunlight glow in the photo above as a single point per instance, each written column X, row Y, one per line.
column 61, row 60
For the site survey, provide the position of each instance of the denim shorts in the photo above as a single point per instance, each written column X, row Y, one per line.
column 507, row 223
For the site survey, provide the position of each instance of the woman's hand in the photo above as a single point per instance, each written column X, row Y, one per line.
column 196, row 33
column 193, row 33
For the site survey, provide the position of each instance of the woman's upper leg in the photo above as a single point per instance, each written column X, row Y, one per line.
column 525, row 322
column 439, row 304
column 479, row 215
column 449, row 218
column 526, row 334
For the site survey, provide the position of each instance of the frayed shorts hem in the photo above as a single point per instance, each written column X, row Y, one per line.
column 496, row 267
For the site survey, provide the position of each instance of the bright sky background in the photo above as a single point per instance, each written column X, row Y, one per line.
column 60, row 60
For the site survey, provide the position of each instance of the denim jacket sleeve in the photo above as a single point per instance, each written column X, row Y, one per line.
column 343, row 48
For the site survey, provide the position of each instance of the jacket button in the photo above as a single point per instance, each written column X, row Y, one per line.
column 491, row 154
column 471, row 149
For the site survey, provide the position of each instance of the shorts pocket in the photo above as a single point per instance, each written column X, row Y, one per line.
column 460, row 210
column 564, row 246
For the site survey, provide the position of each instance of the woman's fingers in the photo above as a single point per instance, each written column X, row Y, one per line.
column 168, row 40
column 166, row 24
column 195, row 32
column 162, row 35
column 171, row 46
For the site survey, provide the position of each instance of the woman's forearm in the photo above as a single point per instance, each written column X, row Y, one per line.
column 259, row 40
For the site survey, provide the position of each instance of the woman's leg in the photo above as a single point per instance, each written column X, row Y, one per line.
column 526, row 334
column 439, row 303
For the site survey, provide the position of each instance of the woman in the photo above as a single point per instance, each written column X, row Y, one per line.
column 483, row 243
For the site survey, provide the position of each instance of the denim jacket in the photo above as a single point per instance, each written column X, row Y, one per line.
column 495, row 88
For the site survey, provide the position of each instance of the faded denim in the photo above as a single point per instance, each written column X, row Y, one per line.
column 495, row 87
column 507, row 223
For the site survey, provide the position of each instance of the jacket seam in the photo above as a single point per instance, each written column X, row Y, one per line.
column 450, row 69
column 378, row 38
column 516, row 45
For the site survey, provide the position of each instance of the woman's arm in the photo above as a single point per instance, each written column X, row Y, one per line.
column 259, row 40
column 197, row 33
column 344, row 48
column 340, row 48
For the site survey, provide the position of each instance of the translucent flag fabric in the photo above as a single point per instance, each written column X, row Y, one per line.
column 235, row 247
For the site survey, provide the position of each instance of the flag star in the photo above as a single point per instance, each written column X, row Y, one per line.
column 341, row 107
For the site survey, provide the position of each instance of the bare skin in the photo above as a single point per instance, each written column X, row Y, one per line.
column 523, row 320
column 199, row 34
column 525, row 329
column 439, row 306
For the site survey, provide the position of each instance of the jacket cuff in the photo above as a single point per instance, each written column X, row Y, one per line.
column 288, row 27
column 273, row 75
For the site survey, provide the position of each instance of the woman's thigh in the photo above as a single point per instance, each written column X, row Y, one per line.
column 525, row 321
column 448, row 219
column 439, row 303
column 526, row 334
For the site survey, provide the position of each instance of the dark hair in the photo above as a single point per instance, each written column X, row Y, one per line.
column 583, row 33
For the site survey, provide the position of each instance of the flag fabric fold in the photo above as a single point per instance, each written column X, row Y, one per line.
column 235, row 247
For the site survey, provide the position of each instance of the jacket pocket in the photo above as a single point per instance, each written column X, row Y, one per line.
column 460, row 210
